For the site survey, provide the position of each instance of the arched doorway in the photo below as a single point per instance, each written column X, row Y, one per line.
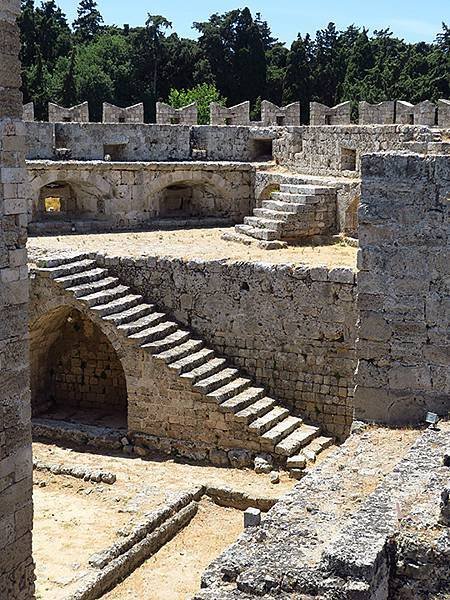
column 57, row 200
column 75, row 371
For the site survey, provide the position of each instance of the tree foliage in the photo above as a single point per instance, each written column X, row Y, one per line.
column 235, row 57
column 203, row 94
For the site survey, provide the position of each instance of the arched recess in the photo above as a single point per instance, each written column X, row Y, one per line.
column 189, row 194
column 85, row 194
column 75, row 371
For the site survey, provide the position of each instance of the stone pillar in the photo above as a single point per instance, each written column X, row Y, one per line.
column 403, row 288
column 16, row 564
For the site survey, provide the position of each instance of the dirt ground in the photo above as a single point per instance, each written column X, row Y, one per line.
column 74, row 519
column 192, row 243
column 175, row 571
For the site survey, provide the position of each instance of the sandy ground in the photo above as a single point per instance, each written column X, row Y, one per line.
column 74, row 518
column 192, row 243
column 174, row 572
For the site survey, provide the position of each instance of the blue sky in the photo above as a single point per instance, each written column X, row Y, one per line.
column 413, row 20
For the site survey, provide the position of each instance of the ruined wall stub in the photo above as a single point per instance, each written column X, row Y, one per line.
column 271, row 114
column 382, row 113
column 16, row 513
column 326, row 115
column 444, row 113
column 167, row 115
column 235, row 115
column 119, row 114
column 74, row 114
column 403, row 288
column 28, row 112
column 423, row 113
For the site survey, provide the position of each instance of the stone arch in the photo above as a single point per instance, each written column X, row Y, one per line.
column 89, row 191
column 192, row 194
column 77, row 367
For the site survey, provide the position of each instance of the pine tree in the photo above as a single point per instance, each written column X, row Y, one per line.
column 69, row 89
column 89, row 21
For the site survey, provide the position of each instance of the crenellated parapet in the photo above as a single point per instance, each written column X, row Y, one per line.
column 320, row 114
column 271, row 114
column 28, row 112
column 167, row 115
column 382, row 113
column 235, row 115
column 423, row 113
column 444, row 113
column 118, row 114
column 74, row 114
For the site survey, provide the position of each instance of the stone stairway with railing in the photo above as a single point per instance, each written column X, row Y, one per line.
column 297, row 212
column 292, row 442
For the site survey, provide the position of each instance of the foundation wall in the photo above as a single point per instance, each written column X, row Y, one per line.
column 291, row 329
column 16, row 512
column 403, row 348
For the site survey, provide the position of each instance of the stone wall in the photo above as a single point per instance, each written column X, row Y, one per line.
column 77, row 114
column 271, row 114
column 118, row 114
column 337, row 150
column 234, row 115
column 291, row 328
column 444, row 113
column 403, row 291
column 28, row 112
column 74, row 365
column 167, row 115
column 16, row 512
column 423, row 113
column 131, row 195
column 382, row 113
column 326, row 115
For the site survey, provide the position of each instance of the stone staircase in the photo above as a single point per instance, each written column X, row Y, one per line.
column 292, row 442
column 296, row 212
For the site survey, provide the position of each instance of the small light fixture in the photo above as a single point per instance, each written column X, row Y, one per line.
column 73, row 228
column 432, row 419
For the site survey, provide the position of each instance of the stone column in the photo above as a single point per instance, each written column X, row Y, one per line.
column 16, row 512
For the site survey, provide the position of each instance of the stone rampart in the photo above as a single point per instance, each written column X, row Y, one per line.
column 60, row 114
column 299, row 342
column 403, row 289
column 118, row 114
column 28, row 112
column 167, row 115
column 382, row 113
column 234, row 115
column 326, row 115
column 423, row 113
column 16, row 512
column 271, row 114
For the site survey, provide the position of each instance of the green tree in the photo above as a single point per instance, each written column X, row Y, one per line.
column 89, row 21
column 298, row 79
column 155, row 26
column 203, row 94
column 69, row 86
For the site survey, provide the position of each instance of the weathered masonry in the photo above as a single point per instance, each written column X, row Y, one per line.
column 16, row 512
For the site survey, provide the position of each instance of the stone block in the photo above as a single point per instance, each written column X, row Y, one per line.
column 252, row 517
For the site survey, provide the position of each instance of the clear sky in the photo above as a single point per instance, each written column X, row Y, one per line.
column 413, row 20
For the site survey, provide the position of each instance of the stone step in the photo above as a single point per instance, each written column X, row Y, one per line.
column 280, row 431
column 168, row 342
column 95, row 286
column 321, row 443
column 286, row 207
column 205, row 370
column 105, row 296
column 268, row 420
column 300, row 201
column 180, row 351
column 230, row 389
column 130, row 314
column 88, row 276
column 121, row 304
column 273, row 215
column 150, row 320
column 68, row 268
column 260, row 223
column 49, row 263
column 266, row 235
column 298, row 439
column 151, row 334
column 307, row 189
column 255, row 410
column 241, row 401
column 209, row 384
column 297, row 461
column 192, row 361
